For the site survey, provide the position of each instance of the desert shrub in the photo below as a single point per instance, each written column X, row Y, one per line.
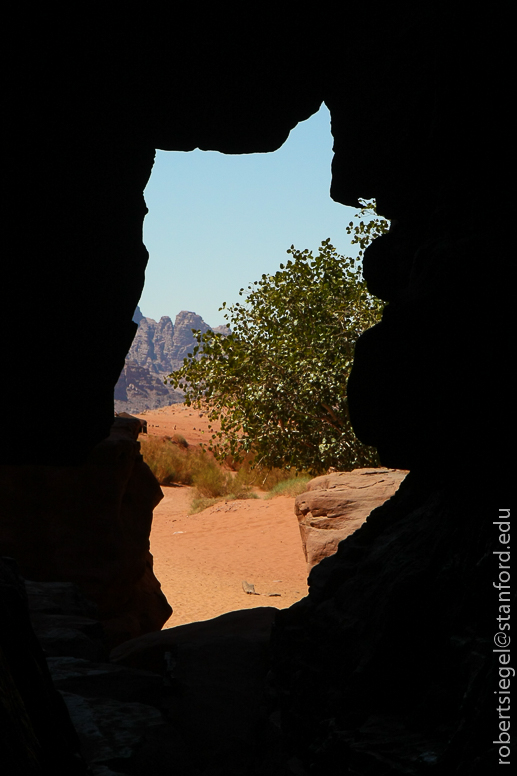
column 170, row 462
column 261, row 477
column 291, row 487
column 211, row 481
column 272, row 478
column 242, row 484
column 180, row 440
column 212, row 484
column 236, row 464
column 265, row 478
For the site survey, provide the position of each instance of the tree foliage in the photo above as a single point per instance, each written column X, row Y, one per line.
column 277, row 382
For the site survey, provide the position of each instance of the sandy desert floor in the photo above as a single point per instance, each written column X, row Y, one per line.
column 179, row 419
column 202, row 560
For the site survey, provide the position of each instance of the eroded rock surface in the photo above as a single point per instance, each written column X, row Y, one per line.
column 336, row 504
column 139, row 388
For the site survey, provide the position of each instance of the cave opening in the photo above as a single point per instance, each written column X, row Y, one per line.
column 215, row 223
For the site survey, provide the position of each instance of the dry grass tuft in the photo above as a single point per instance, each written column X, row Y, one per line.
column 291, row 487
column 172, row 461
column 180, row 440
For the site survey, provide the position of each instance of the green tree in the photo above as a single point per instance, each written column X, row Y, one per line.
column 277, row 382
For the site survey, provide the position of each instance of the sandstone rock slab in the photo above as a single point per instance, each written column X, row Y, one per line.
column 336, row 504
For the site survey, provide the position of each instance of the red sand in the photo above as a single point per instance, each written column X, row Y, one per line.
column 178, row 419
column 201, row 560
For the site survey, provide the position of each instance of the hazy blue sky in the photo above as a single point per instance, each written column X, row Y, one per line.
column 217, row 222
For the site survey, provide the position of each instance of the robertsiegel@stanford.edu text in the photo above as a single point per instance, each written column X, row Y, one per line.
column 505, row 672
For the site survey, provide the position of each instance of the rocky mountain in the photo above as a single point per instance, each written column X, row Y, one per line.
column 157, row 350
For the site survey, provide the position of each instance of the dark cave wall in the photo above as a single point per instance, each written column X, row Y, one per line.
column 429, row 139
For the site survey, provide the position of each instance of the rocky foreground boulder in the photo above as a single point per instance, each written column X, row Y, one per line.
column 336, row 504
column 189, row 700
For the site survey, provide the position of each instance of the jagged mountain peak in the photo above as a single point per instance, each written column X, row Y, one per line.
column 158, row 349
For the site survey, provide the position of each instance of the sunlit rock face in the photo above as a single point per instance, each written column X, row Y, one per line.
column 337, row 504
column 153, row 345
column 160, row 346
column 139, row 389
